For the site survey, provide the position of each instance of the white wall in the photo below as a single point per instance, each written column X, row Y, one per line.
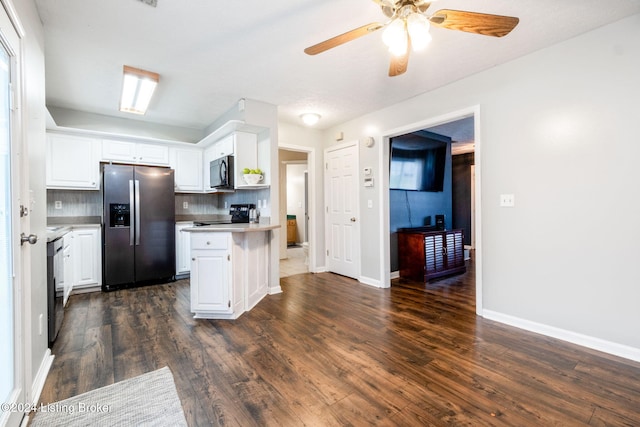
column 558, row 130
column 74, row 119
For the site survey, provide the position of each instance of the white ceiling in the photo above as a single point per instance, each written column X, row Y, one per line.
column 211, row 53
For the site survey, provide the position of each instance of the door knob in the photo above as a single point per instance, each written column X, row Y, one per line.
column 31, row 239
column 353, row 219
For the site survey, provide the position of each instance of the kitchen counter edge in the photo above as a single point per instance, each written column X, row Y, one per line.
column 233, row 228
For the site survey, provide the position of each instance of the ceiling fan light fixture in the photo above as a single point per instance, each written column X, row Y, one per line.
column 137, row 89
column 395, row 37
column 418, row 28
column 310, row 119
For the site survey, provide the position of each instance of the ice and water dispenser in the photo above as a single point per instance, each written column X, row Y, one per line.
column 119, row 215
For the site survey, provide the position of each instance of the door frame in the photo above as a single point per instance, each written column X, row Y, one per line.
column 312, row 232
column 327, row 187
column 19, row 196
column 385, row 252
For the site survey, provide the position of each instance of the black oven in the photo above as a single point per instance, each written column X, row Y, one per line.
column 221, row 173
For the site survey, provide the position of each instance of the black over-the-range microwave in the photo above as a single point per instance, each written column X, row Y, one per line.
column 221, row 172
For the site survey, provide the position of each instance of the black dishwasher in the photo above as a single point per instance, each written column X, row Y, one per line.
column 55, row 304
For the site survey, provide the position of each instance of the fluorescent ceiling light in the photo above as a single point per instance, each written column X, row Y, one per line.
column 137, row 88
column 310, row 119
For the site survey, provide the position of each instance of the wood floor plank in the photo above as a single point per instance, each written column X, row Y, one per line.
column 96, row 361
column 329, row 351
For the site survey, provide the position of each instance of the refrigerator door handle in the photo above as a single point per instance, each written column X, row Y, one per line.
column 131, row 204
column 137, row 212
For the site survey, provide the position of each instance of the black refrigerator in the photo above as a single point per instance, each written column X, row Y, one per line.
column 139, row 226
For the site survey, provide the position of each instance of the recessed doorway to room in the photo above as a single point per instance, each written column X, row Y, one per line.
column 454, row 200
column 294, row 200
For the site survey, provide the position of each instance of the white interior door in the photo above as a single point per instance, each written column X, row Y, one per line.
column 342, row 198
column 12, row 370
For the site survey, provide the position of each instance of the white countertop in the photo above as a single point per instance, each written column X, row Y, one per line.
column 58, row 230
column 233, row 228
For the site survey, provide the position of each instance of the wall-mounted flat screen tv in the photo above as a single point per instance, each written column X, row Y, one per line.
column 417, row 163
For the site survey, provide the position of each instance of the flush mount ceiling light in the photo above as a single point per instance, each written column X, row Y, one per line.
column 137, row 88
column 310, row 119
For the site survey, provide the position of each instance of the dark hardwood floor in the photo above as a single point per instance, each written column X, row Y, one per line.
column 332, row 352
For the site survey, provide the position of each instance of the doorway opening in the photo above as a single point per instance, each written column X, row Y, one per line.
column 297, row 235
column 463, row 204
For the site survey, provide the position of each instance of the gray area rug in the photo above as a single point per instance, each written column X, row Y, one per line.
column 147, row 400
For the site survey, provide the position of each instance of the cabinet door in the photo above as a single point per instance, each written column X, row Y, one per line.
column 131, row 152
column 119, row 151
column 66, row 284
column 210, row 285
column 434, row 253
column 188, row 169
column 224, row 147
column 87, row 257
column 72, row 162
column 183, row 248
column 455, row 249
column 152, row 154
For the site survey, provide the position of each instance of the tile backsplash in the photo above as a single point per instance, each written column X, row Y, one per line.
column 74, row 203
column 89, row 203
column 197, row 204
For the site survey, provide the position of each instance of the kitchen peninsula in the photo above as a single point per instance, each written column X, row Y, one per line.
column 229, row 268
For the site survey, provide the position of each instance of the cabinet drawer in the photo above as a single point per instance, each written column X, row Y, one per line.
column 209, row 240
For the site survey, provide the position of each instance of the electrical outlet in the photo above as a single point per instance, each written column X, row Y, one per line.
column 185, row 205
column 507, row 200
column 58, row 204
column 369, row 204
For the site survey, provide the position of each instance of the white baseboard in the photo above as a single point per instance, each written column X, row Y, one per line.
column 594, row 343
column 319, row 270
column 41, row 376
column 86, row 290
column 395, row 275
column 369, row 281
column 274, row 290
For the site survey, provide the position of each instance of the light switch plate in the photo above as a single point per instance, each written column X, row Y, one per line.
column 507, row 200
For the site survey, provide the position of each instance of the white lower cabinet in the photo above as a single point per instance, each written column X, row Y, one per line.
column 229, row 272
column 211, row 276
column 83, row 271
column 86, row 257
column 183, row 249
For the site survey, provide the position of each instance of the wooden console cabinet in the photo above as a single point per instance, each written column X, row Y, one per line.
column 425, row 255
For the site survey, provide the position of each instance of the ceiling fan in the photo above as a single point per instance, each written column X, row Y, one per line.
column 408, row 27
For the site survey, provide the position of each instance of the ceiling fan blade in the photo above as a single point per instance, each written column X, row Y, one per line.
column 398, row 64
column 343, row 38
column 473, row 22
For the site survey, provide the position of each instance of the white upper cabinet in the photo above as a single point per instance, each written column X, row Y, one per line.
column 131, row 152
column 72, row 162
column 224, row 147
column 187, row 163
